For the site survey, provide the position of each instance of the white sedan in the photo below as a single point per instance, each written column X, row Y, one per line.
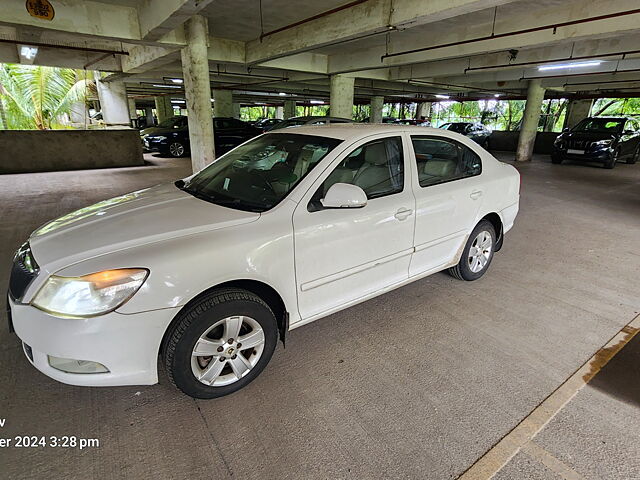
column 281, row 231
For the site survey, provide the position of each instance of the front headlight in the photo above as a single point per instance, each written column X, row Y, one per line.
column 89, row 295
column 160, row 138
column 558, row 141
column 602, row 143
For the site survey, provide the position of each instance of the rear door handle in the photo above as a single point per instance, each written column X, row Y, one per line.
column 403, row 213
column 476, row 194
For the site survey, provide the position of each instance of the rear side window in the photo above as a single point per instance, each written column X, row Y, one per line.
column 441, row 160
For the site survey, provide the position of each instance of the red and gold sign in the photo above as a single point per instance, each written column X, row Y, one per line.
column 40, row 9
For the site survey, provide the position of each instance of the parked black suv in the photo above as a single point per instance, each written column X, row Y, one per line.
column 171, row 137
column 599, row 139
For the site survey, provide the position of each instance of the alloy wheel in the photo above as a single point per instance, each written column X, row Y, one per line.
column 480, row 251
column 227, row 351
column 176, row 149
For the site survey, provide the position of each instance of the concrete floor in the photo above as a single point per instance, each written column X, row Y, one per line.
column 417, row 383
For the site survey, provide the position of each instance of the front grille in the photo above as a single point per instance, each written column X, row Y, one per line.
column 23, row 271
column 579, row 144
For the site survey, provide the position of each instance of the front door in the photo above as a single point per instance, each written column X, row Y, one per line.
column 344, row 254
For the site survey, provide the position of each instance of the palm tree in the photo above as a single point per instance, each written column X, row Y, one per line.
column 34, row 97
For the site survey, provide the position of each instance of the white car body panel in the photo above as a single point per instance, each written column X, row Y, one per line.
column 318, row 262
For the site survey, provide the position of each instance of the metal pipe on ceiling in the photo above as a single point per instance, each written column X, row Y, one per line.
column 494, row 36
column 63, row 47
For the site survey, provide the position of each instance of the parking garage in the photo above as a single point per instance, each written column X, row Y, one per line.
column 530, row 372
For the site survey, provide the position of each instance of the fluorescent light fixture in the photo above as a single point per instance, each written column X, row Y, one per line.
column 178, row 101
column 561, row 66
column 28, row 52
column 177, row 80
column 496, row 95
column 282, row 94
column 317, row 102
column 161, row 85
column 442, row 96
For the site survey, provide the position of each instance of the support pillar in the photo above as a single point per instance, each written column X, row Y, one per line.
column 164, row 109
column 236, row 110
column 222, row 103
column 132, row 109
column 195, row 66
column 577, row 110
column 113, row 101
column 377, row 103
column 423, row 111
column 289, row 109
column 148, row 113
column 342, row 96
column 280, row 112
column 530, row 119
column 78, row 113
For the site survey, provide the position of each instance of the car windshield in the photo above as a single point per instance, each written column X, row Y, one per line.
column 170, row 122
column 600, row 125
column 455, row 127
column 256, row 176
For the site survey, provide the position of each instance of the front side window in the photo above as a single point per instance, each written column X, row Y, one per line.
column 441, row 160
column 256, row 176
column 377, row 167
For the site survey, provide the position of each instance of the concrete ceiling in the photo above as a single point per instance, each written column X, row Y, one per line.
column 400, row 49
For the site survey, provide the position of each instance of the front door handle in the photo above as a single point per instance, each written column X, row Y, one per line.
column 476, row 194
column 403, row 213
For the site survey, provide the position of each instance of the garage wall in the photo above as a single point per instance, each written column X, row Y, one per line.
column 23, row 151
column 508, row 141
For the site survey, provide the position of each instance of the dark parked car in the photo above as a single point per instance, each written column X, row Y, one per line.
column 171, row 137
column 475, row 131
column 307, row 121
column 599, row 139
column 266, row 123
column 384, row 120
column 408, row 121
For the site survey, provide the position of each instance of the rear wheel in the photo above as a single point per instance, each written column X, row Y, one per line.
column 220, row 344
column 477, row 253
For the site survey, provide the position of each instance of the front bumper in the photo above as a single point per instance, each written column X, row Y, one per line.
column 600, row 155
column 127, row 344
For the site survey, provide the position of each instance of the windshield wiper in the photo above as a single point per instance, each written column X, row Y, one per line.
column 222, row 200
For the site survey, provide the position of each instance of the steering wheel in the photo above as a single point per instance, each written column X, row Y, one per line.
column 256, row 181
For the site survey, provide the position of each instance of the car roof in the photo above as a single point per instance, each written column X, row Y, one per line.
column 344, row 131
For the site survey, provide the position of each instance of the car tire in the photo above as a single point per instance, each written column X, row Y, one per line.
column 477, row 254
column 613, row 159
column 556, row 159
column 208, row 326
column 634, row 158
column 176, row 149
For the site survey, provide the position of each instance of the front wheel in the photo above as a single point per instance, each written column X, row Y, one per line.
column 634, row 158
column 477, row 253
column 556, row 159
column 176, row 149
column 220, row 344
column 613, row 159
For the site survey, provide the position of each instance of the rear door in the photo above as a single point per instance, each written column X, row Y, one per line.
column 449, row 188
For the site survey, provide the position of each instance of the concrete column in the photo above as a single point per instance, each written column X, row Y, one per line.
column 164, row 109
column 289, row 109
column 342, row 96
column 113, row 101
column 577, row 110
column 530, row 119
column 222, row 103
column 236, row 110
column 280, row 112
column 78, row 113
column 377, row 103
column 423, row 110
column 148, row 113
column 132, row 109
column 195, row 67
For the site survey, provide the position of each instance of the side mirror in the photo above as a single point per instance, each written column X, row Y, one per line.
column 565, row 130
column 344, row 195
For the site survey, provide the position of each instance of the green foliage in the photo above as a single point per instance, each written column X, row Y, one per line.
column 35, row 97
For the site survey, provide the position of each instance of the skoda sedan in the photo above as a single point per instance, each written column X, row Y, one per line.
column 210, row 271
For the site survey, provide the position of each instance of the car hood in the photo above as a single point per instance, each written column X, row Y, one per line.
column 591, row 136
column 155, row 131
column 130, row 220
